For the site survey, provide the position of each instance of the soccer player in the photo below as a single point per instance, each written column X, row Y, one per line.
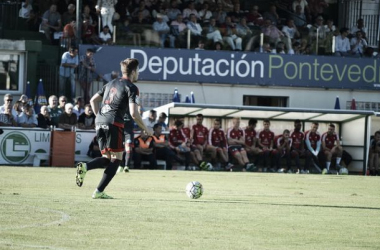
column 265, row 140
column 236, row 142
column 250, row 138
column 283, row 148
column 313, row 147
column 118, row 97
column 199, row 134
column 217, row 139
column 298, row 143
column 374, row 153
column 331, row 147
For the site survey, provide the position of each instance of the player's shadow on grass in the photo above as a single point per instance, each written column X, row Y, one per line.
column 288, row 205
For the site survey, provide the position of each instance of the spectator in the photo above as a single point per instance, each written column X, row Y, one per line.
column 272, row 32
column 213, row 32
column 69, row 32
column 219, row 14
column 43, row 118
column 6, row 117
column 218, row 46
column 151, row 120
column 87, row 68
column 299, row 17
column 236, row 142
column 162, row 150
column 68, row 120
column 86, row 120
column 358, row 44
column 190, row 10
column 195, row 28
column 51, row 22
column 159, row 10
column 243, row 31
column 228, row 30
column 106, row 8
column 201, row 45
column 62, row 102
column 26, row 7
column 69, row 63
column 54, row 111
column 303, row 6
column 342, row 44
column 141, row 13
column 105, row 36
column 254, row 18
column 173, row 11
column 236, row 14
column 178, row 30
column 162, row 30
column 8, row 99
column 320, row 40
column 359, row 27
column 227, row 5
column 78, row 108
column 27, row 119
column 162, row 121
column 317, row 7
column 291, row 33
column 86, row 14
column 69, row 15
column 272, row 15
column 205, row 14
column 88, row 33
column 18, row 107
column 34, row 21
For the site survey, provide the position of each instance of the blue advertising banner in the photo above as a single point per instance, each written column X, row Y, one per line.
column 245, row 68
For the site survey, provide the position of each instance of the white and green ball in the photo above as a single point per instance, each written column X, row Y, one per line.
column 194, row 190
column 343, row 171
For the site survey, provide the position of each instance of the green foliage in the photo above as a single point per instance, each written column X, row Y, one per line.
column 42, row 208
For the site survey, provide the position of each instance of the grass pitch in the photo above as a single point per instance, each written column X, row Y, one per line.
column 42, row 208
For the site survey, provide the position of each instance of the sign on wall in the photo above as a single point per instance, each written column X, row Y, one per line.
column 245, row 68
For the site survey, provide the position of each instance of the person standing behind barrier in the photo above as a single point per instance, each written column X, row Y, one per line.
column 54, row 111
column 62, row 102
column 69, row 63
column 6, row 117
column 8, row 99
column 43, row 118
column 68, row 119
column 313, row 147
column 151, row 120
column 27, row 119
column 106, row 8
column 87, row 68
column 298, row 144
column 119, row 97
column 331, row 147
column 87, row 119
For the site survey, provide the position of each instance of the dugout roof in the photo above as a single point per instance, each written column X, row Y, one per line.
column 272, row 113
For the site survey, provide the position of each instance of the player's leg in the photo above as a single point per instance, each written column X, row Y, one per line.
column 337, row 151
column 212, row 150
column 308, row 160
column 247, row 165
column 128, row 144
column 114, row 144
column 296, row 156
column 328, row 156
column 98, row 162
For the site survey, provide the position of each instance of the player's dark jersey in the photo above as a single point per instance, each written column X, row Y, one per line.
column 298, row 138
column 200, row 133
column 250, row 135
column 329, row 139
column 117, row 94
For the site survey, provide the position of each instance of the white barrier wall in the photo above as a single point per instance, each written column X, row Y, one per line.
column 18, row 146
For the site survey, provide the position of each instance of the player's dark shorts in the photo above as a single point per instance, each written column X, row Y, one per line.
column 129, row 135
column 235, row 149
column 110, row 138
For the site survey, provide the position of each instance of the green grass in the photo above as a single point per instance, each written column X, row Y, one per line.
column 42, row 208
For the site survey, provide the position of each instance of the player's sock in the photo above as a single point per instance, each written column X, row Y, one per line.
column 108, row 174
column 99, row 162
column 328, row 165
column 338, row 160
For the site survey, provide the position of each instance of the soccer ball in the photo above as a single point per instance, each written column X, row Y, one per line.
column 194, row 190
column 207, row 166
column 343, row 171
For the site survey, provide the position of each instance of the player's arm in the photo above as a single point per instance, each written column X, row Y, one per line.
column 94, row 102
column 271, row 144
column 137, row 118
column 318, row 147
column 308, row 144
column 324, row 148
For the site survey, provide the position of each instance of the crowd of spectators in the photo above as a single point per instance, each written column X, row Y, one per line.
column 301, row 27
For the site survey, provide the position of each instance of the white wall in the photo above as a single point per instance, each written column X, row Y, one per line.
column 233, row 95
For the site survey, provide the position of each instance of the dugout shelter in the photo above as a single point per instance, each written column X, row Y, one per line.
column 353, row 126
